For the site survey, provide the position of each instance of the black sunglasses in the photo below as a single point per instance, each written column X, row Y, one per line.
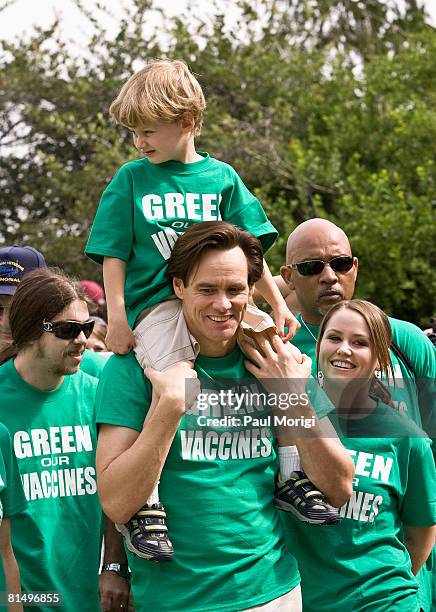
column 68, row 330
column 343, row 263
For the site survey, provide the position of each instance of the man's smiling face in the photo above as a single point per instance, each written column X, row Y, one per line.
column 215, row 299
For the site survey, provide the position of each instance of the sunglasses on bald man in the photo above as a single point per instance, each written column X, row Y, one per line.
column 68, row 330
column 312, row 267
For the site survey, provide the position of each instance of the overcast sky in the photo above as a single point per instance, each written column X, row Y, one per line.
column 22, row 15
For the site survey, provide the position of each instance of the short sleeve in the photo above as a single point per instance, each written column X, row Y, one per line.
column 240, row 207
column 319, row 400
column 418, row 349
column 112, row 230
column 12, row 496
column 418, row 508
column 123, row 393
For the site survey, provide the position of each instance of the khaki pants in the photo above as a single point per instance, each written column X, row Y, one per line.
column 289, row 602
column 163, row 339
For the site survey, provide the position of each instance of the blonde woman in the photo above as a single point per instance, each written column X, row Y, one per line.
column 369, row 560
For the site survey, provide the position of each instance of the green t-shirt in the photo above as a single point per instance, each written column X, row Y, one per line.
column 362, row 562
column 217, row 486
column 413, row 395
column 57, row 539
column 12, row 500
column 147, row 206
column 94, row 362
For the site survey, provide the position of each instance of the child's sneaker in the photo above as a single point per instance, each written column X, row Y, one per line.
column 146, row 534
column 299, row 495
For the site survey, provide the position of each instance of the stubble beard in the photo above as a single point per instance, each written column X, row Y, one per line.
column 57, row 369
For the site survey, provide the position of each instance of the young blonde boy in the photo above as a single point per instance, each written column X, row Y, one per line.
column 147, row 205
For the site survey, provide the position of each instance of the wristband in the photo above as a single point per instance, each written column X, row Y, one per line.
column 121, row 570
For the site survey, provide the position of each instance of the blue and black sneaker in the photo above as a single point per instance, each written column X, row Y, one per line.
column 300, row 496
column 146, row 534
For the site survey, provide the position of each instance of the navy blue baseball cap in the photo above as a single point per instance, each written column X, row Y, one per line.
column 15, row 262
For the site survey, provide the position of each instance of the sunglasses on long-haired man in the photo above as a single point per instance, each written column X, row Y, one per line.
column 68, row 330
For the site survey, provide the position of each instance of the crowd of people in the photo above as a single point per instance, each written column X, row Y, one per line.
column 167, row 445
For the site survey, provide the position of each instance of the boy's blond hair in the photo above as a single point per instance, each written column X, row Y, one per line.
column 162, row 91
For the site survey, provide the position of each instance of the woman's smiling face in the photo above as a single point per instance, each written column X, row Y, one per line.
column 346, row 350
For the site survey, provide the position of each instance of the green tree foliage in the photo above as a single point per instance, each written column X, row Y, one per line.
column 325, row 108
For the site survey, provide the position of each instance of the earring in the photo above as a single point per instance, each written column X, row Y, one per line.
column 320, row 378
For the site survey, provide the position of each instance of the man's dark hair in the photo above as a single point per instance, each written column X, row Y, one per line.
column 209, row 236
column 42, row 294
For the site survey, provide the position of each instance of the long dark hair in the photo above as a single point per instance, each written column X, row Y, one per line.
column 42, row 294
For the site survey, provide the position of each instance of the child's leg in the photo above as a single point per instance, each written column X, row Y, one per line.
column 154, row 497
column 146, row 533
column 294, row 491
column 289, row 460
column 162, row 337
column 162, row 340
column 258, row 321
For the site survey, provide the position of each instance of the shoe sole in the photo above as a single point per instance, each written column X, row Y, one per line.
column 161, row 558
column 288, row 508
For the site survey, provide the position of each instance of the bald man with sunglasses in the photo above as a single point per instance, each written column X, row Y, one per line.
column 321, row 271
column 320, row 268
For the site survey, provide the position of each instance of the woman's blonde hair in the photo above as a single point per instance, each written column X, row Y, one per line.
column 162, row 91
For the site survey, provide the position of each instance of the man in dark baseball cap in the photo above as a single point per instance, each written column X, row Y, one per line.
column 15, row 262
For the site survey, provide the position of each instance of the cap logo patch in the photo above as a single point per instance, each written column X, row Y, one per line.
column 10, row 272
